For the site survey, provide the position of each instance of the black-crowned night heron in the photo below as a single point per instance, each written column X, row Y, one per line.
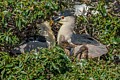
column 66, row 29
column 45, row 39
column 79, row 45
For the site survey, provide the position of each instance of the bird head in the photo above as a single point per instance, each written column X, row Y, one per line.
column 67, row 20
column 64, row 17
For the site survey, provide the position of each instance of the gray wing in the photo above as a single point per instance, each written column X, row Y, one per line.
column 29, row 46
column 83, row 39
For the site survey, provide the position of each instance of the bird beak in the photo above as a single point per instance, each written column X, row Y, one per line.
column 61, row 17
column 60, row 22
column 57, row 18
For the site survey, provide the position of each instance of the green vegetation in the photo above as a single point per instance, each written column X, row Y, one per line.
column 44, row 65
column 17, row 19
column 54, row 64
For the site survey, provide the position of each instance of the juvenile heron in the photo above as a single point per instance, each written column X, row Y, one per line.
column 45, row 39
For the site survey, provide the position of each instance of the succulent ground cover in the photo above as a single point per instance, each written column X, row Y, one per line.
column 17, row 21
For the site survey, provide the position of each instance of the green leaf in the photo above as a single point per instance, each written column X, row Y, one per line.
column 55, row 67
column 2, row 74
column 7, row 38
column 1, row 65
column 23, row 72
column 9, row 65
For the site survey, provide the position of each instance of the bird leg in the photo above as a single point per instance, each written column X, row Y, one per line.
column 84, row 30
column 83, row 52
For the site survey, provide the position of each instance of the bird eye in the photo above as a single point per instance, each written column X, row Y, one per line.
column 62, row 17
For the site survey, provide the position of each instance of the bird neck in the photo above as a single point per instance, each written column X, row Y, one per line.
column 68, row 25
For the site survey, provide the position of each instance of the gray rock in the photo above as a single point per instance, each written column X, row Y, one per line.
column 93, row 50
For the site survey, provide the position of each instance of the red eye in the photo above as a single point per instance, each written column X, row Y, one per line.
column 62, row 17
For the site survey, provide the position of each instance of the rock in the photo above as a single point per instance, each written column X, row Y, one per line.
column 81, row 9
column 93, row 50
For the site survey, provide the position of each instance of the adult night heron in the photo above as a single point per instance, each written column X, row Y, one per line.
column 79, row 45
